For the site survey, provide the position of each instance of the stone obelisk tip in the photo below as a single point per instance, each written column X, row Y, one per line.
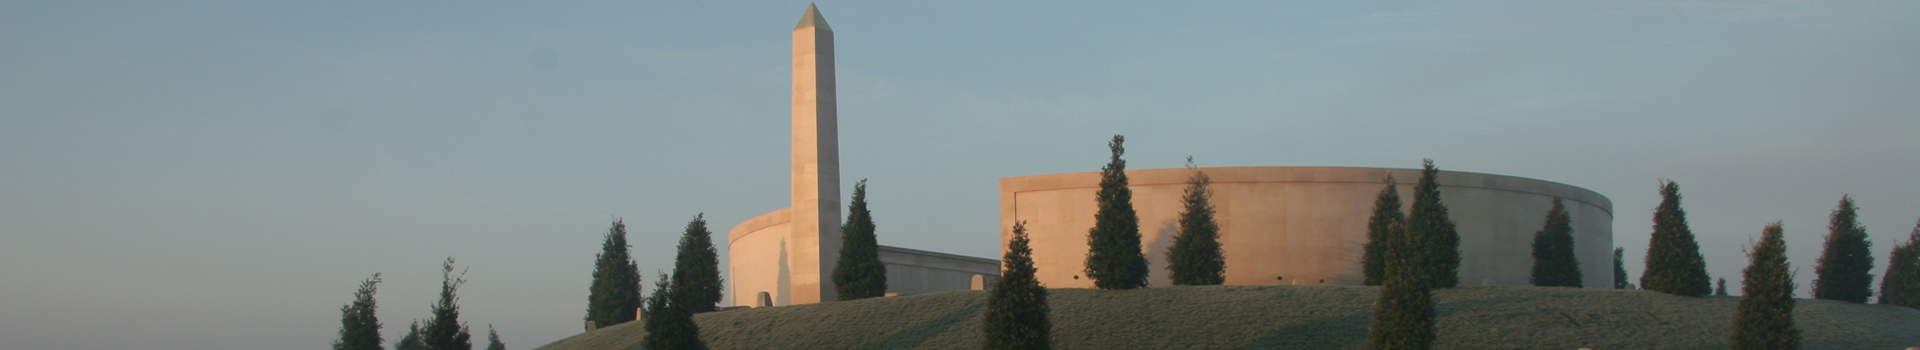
column 813, row 19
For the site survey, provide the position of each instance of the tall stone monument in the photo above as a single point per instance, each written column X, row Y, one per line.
column 816, row 162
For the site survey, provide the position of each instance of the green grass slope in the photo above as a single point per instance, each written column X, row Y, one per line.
column 1281, row 317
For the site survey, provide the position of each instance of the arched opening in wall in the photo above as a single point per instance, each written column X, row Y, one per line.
column 764, row 300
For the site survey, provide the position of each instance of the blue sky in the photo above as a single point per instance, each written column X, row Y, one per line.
column 219, row 175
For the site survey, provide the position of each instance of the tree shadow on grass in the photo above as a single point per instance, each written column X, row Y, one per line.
column 919, row 333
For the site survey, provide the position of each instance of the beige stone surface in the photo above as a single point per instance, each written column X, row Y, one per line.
column 815, row 212
column 913, row 271
column 758, row 251
column 1306, row 224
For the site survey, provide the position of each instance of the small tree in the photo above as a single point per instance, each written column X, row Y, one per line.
column 1114, row 258
column 1844, row 271
column 1386, row 212
column 1620, row 268
column 444, row 331
column 696, row 270
column 359, row 327
column 412, row 340
column 1720, row 288
column 859, row 274
column 493, row 340
column 668, row 325
column 1016, row 316
column 1403, row 316
column 1674, row 265
column 615, row 292
column 1195, row 258
column 1764, row 318
column 1901, row 286
column 1554, row 264
column 1428, row 222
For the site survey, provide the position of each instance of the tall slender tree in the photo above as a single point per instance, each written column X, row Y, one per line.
column 615, row 292
column 359, row 327
column 1674, row 265
column 1016, row 316
column 493, row 339
column 1114, row 257
column 1403, row 315
column 1764, row 317
column 859, row 274
column 1845, row 269
column 444, row 331
column 668, row 325
column 412, row 340
column 1386, row 212
column 1901, row 286
column 1720, row 288
column 1620, row 268
column 696, row 269
column 1428, row 222
column 1195, row 258
column 1554, row 264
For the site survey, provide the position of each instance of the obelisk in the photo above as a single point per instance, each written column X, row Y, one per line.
column 816, row 163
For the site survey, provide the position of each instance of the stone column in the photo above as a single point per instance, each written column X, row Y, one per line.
column 816, row 162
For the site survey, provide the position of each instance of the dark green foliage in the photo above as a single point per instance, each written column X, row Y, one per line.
column 412, row 340
column 1114, row 258
column 1195, row 258
column 668, row 325
column 696, row 270
column 1764, row 319
column 1901, row 286
column 493, row 340
column 1674, row 265
column 1016, row 315
column 359, row 327
column 1620, row 268
column 444, row 331
column 1403, row 316
column 1554, row 264
column 615, row 293
column 859, row 274
column 1428, row 222
column 1720, row 288
column 1386, row 212
column 1844, row 271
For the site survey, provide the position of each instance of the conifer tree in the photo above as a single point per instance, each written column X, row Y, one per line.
column 1386, row 212
column 359, row 327
column 493, row 339
column 668, row 325
column 1428, row 222
column 1619, row 268
column 1195, row 258
column 1764, row 317
column 859, row 274
column 1844, row 271
column 1554, row 264
column 412, row 340
column 1403, row 316
column 1901, row 285
column 1016, row 316
column 696, row 270
column 615, row 292
column 1674, row 265
column 444, row 331
column 1720, row 288
column 1114, row 256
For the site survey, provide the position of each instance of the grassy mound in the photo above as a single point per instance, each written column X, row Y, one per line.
column 1285, row 317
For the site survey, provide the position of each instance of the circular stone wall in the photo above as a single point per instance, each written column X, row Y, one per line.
column 1306, row 225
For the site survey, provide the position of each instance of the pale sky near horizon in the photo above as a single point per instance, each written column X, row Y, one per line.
column 221, row 174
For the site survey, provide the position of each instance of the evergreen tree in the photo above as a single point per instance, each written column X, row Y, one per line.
column 696, row 270
column 1403, row 316
column 359, row 327
column 493, row 340
column 1386, row 212
column 668, row 325
column 615, row 293
column 1554, row 264
column 1901, row 286
column 1195, row 258
column 412, row 340
column 1620, row 268
column 1844, row 271
column 1428, row 222
column 1114, row 257
column 1764, row 318
column 444, row 331
column 1674, row 265
column 1720, row 288
column 859, row 274
column 1016, row 316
